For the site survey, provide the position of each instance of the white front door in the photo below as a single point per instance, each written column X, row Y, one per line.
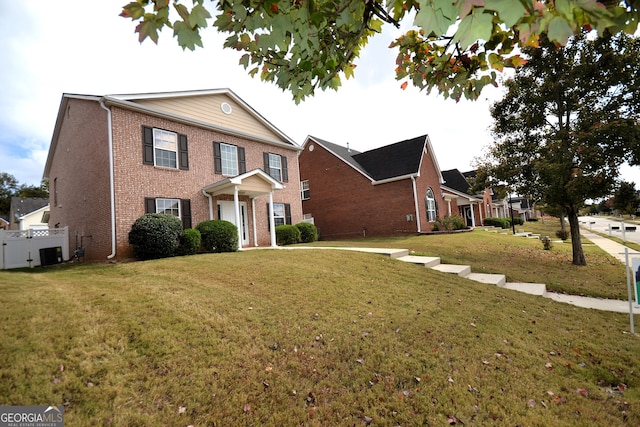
column 227, row 212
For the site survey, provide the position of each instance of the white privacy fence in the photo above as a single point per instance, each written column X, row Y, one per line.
column 31, row 248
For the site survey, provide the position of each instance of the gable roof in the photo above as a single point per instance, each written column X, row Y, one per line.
column 455, row 180
column 159, row 105
column 391, row 162
column 21, row 206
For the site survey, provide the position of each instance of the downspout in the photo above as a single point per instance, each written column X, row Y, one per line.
column 415, row 202
column 208, row 196
column 112, row 192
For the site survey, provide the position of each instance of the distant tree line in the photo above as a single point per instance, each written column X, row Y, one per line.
column 10, row 187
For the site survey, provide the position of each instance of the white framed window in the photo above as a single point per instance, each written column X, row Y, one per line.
column 279, row 215
column 168, row 207
column 275, row 166
column 430, row 201
column 304, row 190
column 229, row 157
column 165, row 148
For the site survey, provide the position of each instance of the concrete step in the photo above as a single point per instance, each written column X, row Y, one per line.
column 489, row 279
column 425, row 261
column 460, row 270
column 393, row 253
column 527, row 288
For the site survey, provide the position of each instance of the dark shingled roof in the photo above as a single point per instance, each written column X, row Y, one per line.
column 391, row 161
column 21, row 206
column 456, row 181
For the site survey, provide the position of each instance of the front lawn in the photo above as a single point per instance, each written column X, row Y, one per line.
column 318, row 338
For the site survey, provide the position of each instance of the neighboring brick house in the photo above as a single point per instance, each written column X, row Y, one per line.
column 391, row 190
column 199, row 155
column 473, row 208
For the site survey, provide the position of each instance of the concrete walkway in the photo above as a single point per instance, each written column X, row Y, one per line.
column 539, row 289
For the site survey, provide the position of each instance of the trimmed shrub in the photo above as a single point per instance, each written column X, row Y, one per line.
column 155, row 236
column 518, row 221
column 497, row 222
column 218, row 236
column 189, row 242
column 533, row 219
column 562, row 234
column 287, row 234
column 449, row 222
column 308, row 232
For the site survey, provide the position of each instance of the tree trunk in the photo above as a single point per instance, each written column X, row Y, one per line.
column 576, row 242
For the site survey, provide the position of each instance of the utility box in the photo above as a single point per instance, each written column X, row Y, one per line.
column 51, row 256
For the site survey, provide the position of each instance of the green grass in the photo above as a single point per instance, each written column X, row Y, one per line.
column 318, row 338
column 519, row 258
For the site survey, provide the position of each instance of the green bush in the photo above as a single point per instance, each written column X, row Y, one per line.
column 533, row 219
column 497, row 222
column 155, row 236
column 287, row 234
column 218, row 236
column 562, row 234
column 518, row 221
column 449, row 222
column 189, row 242
column 308, row 232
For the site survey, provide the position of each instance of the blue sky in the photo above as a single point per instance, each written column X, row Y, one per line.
column 48, row 48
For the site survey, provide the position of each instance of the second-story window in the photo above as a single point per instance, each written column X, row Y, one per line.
column 165, row 148
column 228, row 159
column 276, row 166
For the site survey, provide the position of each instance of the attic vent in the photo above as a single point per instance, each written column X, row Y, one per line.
column 226, row 108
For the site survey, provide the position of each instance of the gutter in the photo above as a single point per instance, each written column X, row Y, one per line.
column 112, row 193
column 208, row 196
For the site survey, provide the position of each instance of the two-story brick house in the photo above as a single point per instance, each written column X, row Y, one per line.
column 198, row 155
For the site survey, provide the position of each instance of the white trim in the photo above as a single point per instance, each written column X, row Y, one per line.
column 272, row 224
column 253, row 217
column 236, row 211
column 415, row 202
column 112, row 191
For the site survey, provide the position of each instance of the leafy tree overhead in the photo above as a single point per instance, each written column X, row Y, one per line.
column 570, row 118
column 8, row 188
column 626, row 198
column 455, row 47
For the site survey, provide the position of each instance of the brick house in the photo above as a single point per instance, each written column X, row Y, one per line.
column 390, row 190
column 473, row 208
column 199, row 155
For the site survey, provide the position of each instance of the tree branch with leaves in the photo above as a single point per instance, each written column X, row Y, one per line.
column 456, row 47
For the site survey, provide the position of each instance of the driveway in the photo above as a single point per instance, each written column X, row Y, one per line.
column 602, row 225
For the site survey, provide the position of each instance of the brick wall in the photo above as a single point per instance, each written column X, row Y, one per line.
column 81, row 166
column 79, row 179
column 345, row 204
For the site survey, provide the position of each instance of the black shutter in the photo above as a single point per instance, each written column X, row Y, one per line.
column 266, row 163
column 285, row 171
column 268, row 218
column 242, row 164
column 147, row 145
column 287, row 213
column 149, row 205
column 183, row 152
column 185, row 210
column 217, row 158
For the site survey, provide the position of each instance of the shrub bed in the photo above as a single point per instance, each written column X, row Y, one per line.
column 287, row 234
column 449, row 222
column 189, row 242
column 155, row 236
column 218, row 236
column 308, row 232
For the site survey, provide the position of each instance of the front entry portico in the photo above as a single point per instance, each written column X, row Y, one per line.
column 249, row 186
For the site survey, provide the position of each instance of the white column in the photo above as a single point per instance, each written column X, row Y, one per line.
column 473, row 215
column 272, row 223
column 415, row 202
column 236, row 208
column 449, row 206
column 253, row 218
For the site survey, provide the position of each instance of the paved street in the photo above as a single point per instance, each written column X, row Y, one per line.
column 601, row 225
